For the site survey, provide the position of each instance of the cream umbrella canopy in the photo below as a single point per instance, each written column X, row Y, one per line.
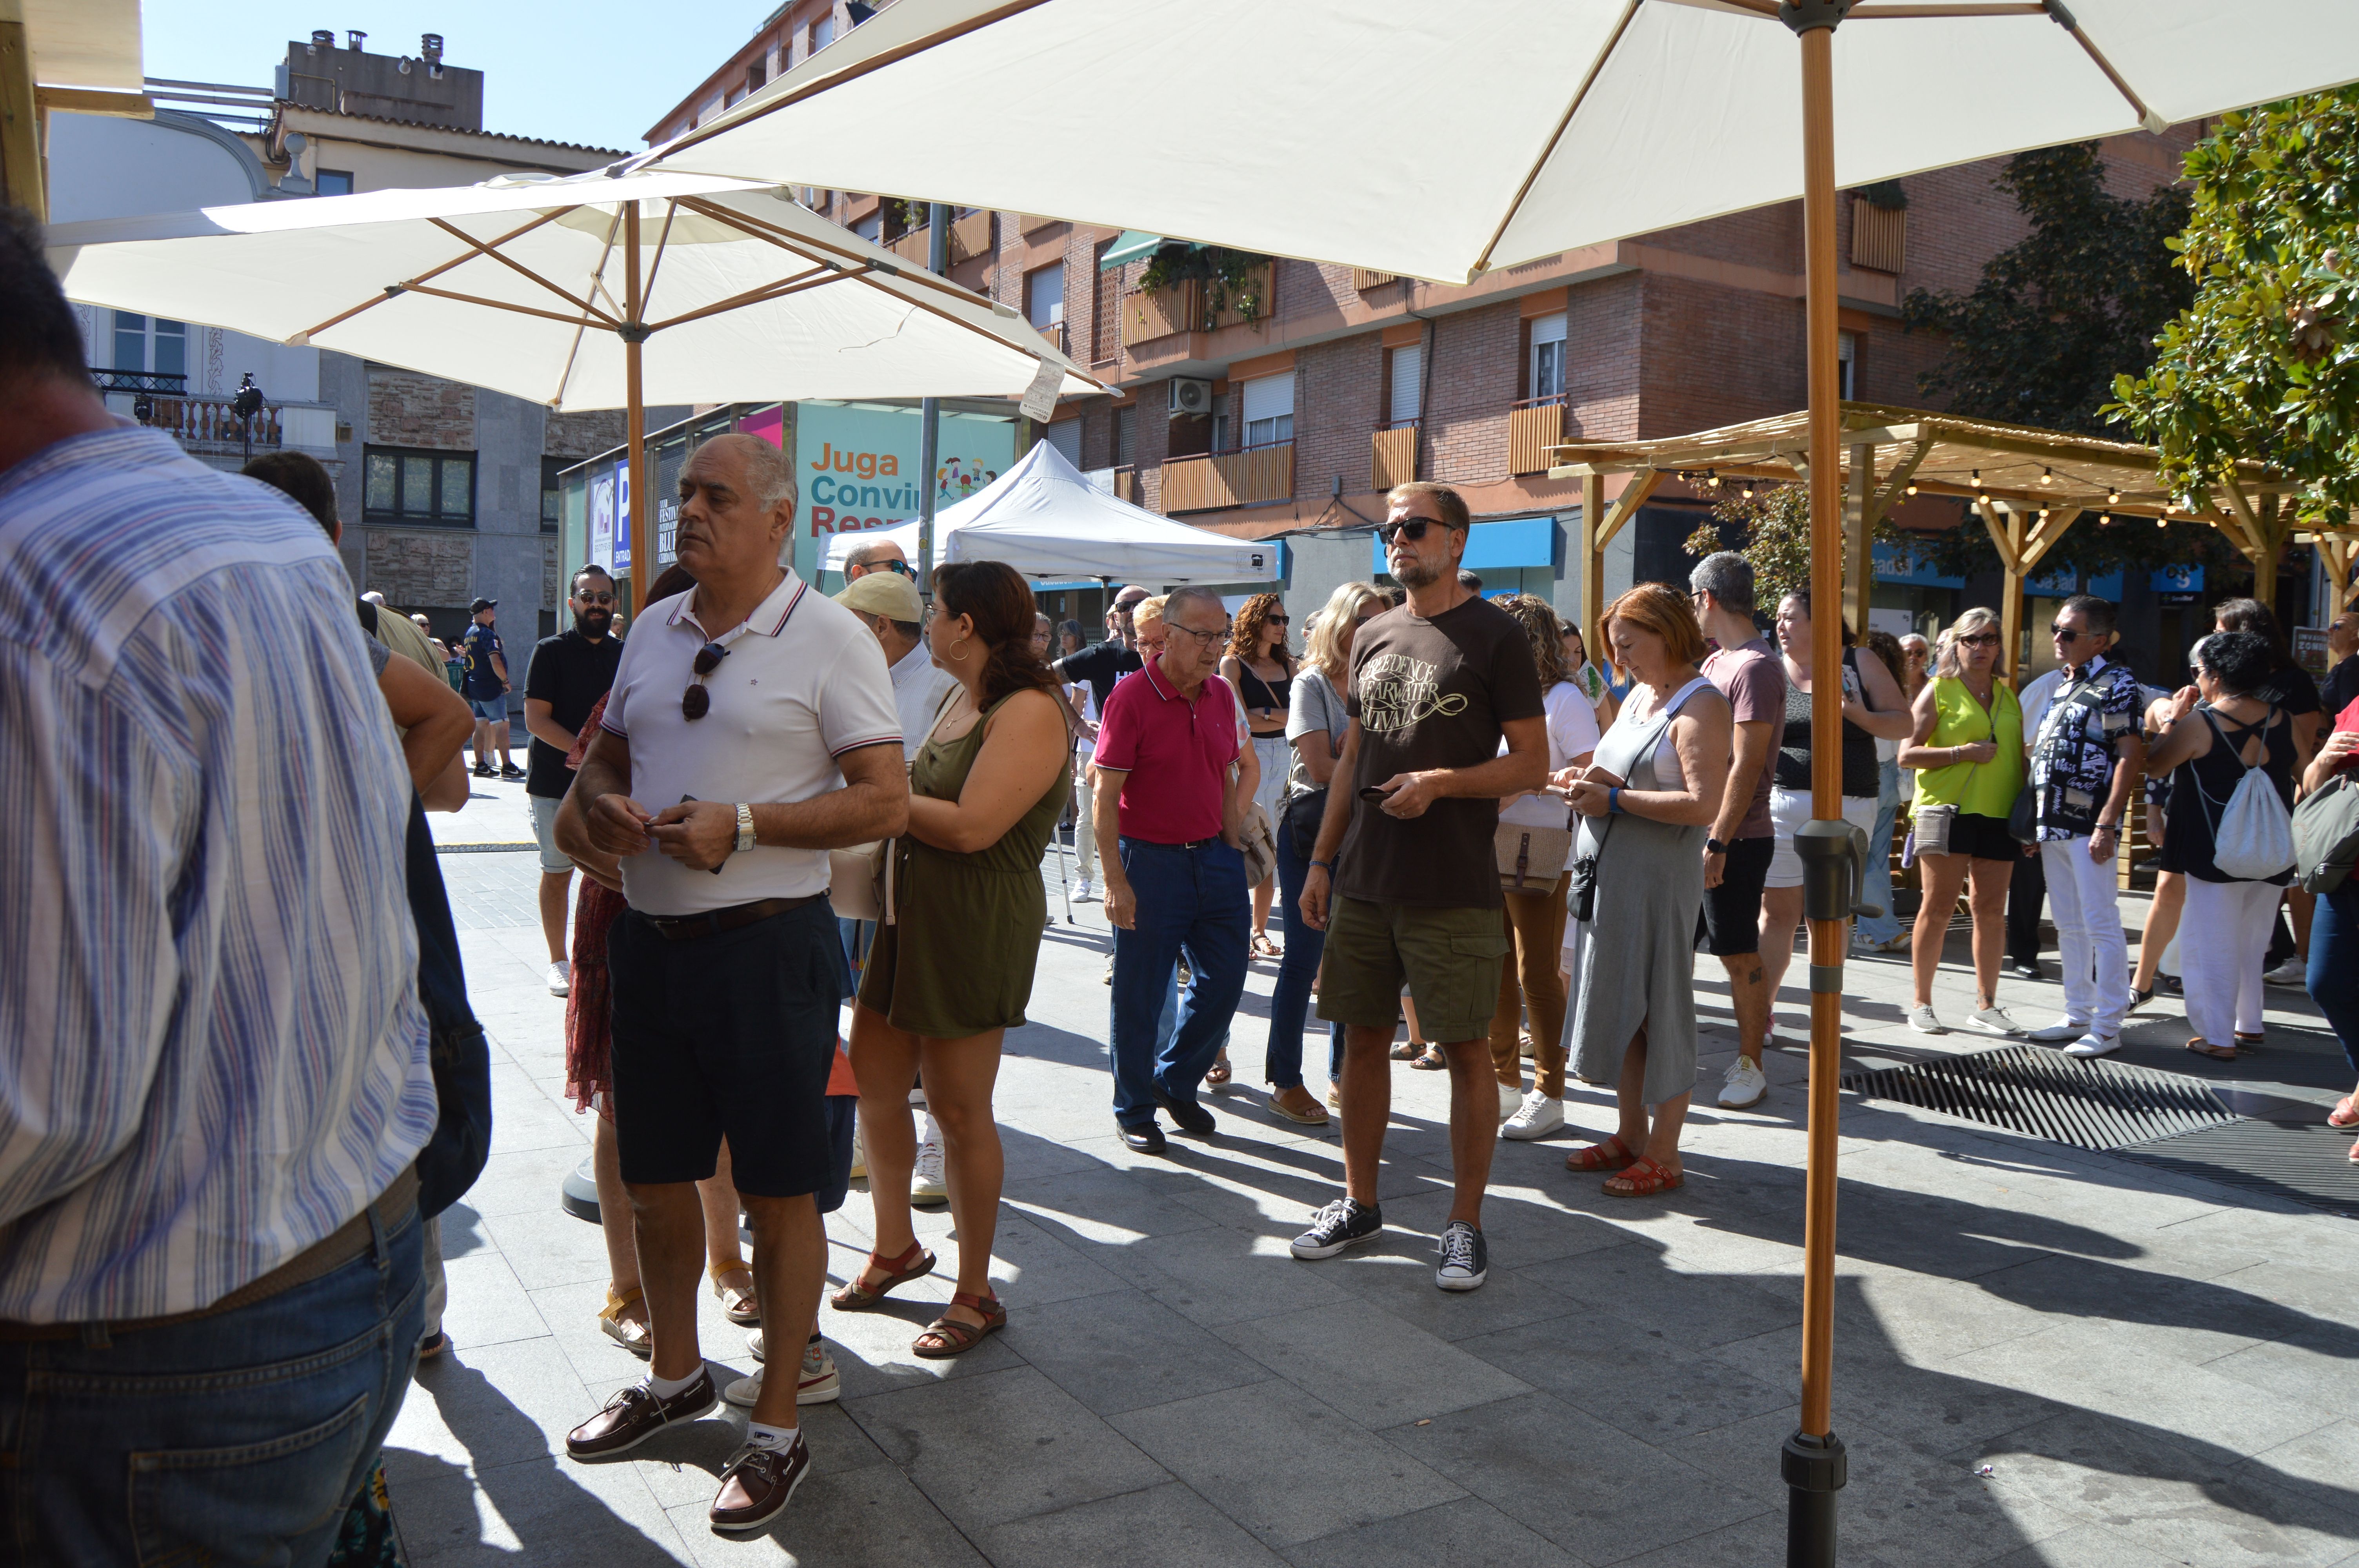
column 1443, row 140
column 601, row 290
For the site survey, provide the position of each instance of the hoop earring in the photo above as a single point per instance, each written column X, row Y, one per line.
column 955, row 656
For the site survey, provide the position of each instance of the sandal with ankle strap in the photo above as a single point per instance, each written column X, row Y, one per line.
column 950, row 1337
column 1643, row 1179
column 632, row 1334
column 1610, row 1154
column 914, row 1264
column 738, row 1305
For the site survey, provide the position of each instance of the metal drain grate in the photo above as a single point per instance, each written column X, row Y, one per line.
column 2304, row 1163
column 2092, row 1105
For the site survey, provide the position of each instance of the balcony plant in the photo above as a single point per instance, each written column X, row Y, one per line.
column 1228, row 276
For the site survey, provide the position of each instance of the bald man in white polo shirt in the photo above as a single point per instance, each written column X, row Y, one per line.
column 751, row 728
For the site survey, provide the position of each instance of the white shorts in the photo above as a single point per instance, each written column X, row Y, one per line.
column 1789, row 810
column 554, row 861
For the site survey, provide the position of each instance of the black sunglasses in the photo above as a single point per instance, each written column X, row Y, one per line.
column 1415, row 528
column 1276, row 621
column 2066, row 635
column 902, row 566
column 595, row 597
column 696, row 702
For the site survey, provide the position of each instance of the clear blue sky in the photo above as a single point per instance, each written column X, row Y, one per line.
column 594, row 71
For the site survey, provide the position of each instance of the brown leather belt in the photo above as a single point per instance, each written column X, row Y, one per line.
column 353, row 1239
column 713, row 922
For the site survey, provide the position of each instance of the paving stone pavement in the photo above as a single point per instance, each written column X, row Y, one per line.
column 2043, row 1356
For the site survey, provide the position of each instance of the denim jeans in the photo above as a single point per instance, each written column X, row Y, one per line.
column 1878, row 891
column 1191, row 901
column 2335, row 964
column 1290, row 1003
column 240, row 1437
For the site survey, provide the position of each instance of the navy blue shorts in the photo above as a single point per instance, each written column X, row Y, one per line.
column 843, row 1116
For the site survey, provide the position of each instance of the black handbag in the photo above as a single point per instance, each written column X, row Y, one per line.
column 2023, row 818
column 1303, row 814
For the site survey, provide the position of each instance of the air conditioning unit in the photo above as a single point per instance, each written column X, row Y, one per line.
column 1189, row 395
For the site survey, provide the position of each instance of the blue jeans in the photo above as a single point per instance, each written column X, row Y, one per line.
column 2334, row 977
column 238, row 1438
column 1191, row 901
column 1878, row 891
column 1290, row 1001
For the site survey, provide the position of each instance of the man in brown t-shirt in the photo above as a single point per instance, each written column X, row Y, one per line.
column 1406, row 850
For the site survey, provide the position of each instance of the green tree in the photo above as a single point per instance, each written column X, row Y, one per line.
column 2263, row 363
column 1770, row 527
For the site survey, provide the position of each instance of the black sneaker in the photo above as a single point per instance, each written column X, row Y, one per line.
column 484, row 771
column 1465, row 1259
column 1343, row 1223
column 510, row 771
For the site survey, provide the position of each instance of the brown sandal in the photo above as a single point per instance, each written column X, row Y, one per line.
column 1609, row 1154
column 914, row 1264
column 1218, row 1073
column 950, row 1337
column 2203, row 1047
column 631, row 1333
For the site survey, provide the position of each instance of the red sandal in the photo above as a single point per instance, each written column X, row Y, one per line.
column 1608, row 1155
column 1644, row 1179
column 914, row 1264
column 950, row 1337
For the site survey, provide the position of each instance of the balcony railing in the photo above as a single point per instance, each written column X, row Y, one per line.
column 969, row 237
column 1245, row 478
column 1185, row 307
column 1393, row 455
column 1364, row 280
column 1055, row 333
column 1534, row 425
column 1125, row 483
column 209, row 425
column 171, row 383
column 1879, row 235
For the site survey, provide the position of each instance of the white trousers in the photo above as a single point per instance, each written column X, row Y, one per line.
column 1086, row 838
column 2086, row 903
column 2226, row 931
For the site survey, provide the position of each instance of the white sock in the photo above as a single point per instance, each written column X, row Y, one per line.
column 669, row 1388
column 760, row 1436
column 933, row 1134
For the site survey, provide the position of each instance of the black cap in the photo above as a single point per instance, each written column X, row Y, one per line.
column 483, row 605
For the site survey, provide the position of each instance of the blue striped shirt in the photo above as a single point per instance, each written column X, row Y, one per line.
column 212, row 1051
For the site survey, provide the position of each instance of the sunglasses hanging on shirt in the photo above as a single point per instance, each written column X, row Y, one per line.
column 696, row 702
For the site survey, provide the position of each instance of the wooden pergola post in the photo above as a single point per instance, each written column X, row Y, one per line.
column 2336, row 556
column 1593, row 566
column 1860, row 516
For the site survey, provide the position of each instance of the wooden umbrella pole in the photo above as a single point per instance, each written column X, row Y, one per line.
column 1813, row 1462
column 634, row 334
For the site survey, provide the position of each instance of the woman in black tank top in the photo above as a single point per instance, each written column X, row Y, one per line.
column 1261, row 669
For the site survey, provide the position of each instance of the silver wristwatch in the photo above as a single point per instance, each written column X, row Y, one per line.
column 744, row 827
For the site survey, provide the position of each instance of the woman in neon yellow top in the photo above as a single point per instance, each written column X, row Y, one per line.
column 1967, row 746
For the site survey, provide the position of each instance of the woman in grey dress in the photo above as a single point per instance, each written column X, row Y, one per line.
column 1648, row 799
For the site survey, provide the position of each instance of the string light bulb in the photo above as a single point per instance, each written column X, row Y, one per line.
column 1711, row 479
column 2113, row 498
column 2048, row 476
column 1912, row 487
column 1975, row 481
column 2163, row 521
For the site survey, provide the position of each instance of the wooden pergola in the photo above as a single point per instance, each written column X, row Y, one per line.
column 2028, row 485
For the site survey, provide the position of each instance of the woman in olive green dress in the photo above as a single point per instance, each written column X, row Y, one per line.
column 951, row 973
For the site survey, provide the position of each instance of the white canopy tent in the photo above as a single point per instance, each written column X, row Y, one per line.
column 1052, row 525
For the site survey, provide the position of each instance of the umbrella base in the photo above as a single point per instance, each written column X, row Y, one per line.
column 578, row 1195
column 1814, row 1470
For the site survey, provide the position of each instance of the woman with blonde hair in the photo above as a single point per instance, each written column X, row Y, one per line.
column 1647, row 802
column 1315, row 726
column 1966, row 743
column 1258, row 667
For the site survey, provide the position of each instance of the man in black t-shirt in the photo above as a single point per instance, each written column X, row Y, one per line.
column 1406, row 844
column 568, row 674
column 1102, row 664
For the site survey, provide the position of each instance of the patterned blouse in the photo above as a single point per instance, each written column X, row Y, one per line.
column 2076, row 745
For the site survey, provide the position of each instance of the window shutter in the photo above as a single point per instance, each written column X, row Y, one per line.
column 1402, row 403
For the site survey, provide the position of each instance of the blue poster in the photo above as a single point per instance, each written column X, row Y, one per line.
column 857, row 466
column 623, row 518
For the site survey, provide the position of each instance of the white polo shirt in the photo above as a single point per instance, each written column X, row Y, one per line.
column 804, row 682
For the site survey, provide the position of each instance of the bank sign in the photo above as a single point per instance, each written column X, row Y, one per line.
column 857, row 465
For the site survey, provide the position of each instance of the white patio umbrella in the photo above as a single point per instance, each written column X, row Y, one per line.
column 1440, row 140
column 599, row 290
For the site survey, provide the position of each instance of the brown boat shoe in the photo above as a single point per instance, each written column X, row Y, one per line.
column 637, row 1413
column 758, row 1484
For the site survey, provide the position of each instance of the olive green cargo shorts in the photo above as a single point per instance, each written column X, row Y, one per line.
column 1448, row 958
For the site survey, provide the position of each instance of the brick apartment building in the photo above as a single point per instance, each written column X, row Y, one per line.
column 447, row 490
column 1346, row 381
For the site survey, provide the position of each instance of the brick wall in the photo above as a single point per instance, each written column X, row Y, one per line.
column 1464, row 437
column 407, row 409
column 1338, row 397
column 585, row 435
column 1601, row 332
column 415, row 569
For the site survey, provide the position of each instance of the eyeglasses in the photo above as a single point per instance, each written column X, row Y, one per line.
column 2066, row 635
column 1983, row 640
column 1276, row 621
column 1217, row 634
column 902, row 566
column 696, row 702
column 1414, row 528
column 595, row 597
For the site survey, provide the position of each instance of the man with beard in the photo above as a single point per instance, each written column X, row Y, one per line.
column 568, row 674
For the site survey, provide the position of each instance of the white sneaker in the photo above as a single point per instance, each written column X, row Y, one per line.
column 1084, row 891
column 561, row 977
column 926, row 1185
column 2294, row 972
column 2094, row 1045
column 1744, row 1086
column 819, row 1383
column 1994, row 1019
column 2063, row 1029
column 1537, row 1117
column 1922, row 1019
column 1511, row 1101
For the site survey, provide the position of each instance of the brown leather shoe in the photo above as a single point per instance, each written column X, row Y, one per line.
column 758, row 1484
column 636, row 1414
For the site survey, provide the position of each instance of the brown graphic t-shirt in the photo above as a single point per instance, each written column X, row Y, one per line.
column 1431, row 694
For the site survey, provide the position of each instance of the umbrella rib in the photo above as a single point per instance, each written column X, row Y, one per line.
column 1872, row 12
column 851, row 73
column 510, row 261
column 306, row 335
column 493, row 304
column 597, row 286
column 647, row 289
column 762, row 296
column 1595, row 66
column 2146, row 118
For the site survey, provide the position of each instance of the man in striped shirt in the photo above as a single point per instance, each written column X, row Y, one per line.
column 214, row 1070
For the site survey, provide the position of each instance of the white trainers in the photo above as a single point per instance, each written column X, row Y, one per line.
column 1994, row 1019
column 2094, row 1045
column 1537, row 1117
column 819, row 1383
column 1924, row 1020
column 561, row 977
column 1511, row 1100
column 926, row 1185
column 1084, row 891
column 2056, row 1033
column 2294, row 972
column 1745, row 1084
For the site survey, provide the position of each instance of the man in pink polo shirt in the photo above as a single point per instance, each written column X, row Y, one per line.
column 1168, row 817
